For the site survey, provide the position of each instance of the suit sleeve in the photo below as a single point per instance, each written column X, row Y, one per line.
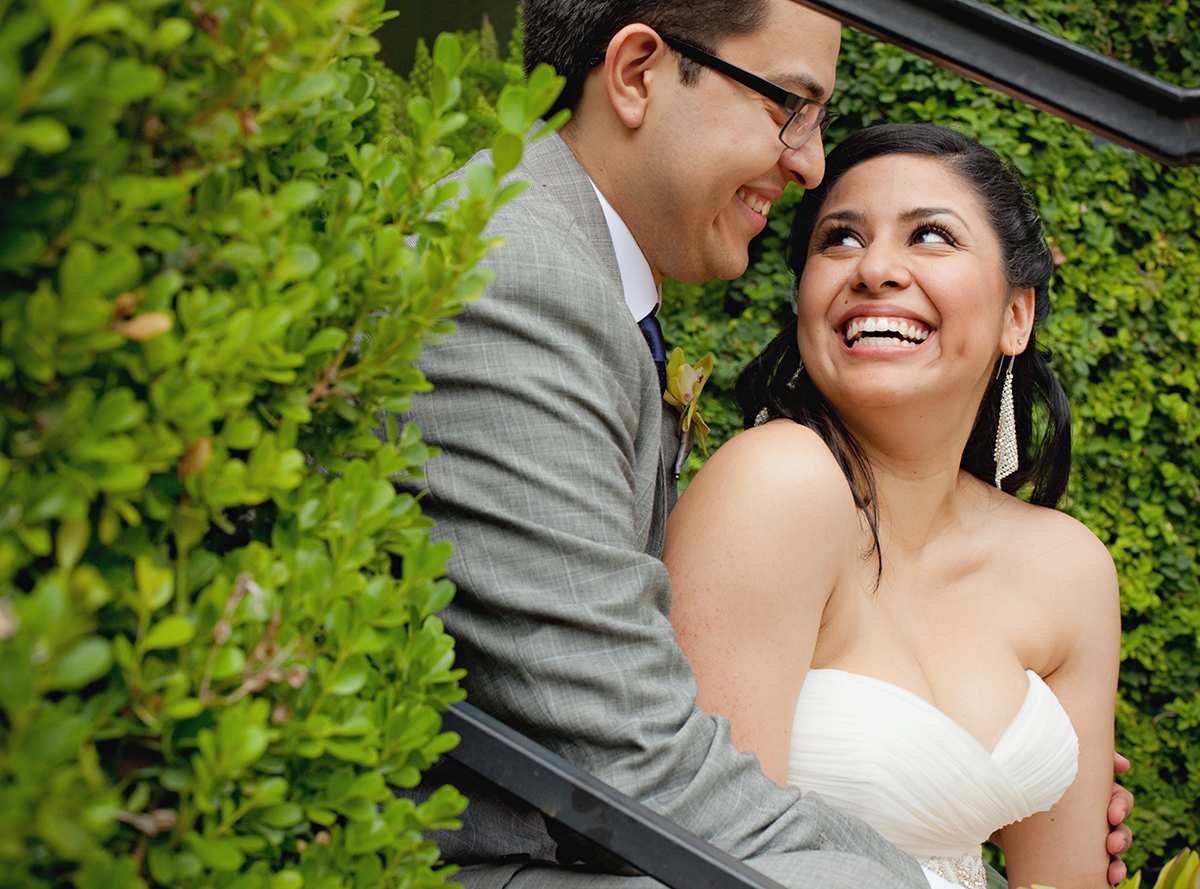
column 540, row 406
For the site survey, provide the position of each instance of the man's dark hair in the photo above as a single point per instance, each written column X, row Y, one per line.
column 572, row 35
column 1045, row 459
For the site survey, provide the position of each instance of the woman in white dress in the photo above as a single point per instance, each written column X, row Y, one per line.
column 855, row 584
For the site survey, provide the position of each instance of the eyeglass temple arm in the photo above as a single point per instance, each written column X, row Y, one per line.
column 788, row 100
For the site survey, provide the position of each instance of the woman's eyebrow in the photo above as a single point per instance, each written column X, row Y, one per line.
column 842, row 216
column 925, row 212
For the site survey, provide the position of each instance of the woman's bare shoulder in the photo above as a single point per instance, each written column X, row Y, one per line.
column 778, row 461
column 1067, row 556
column 769, row 486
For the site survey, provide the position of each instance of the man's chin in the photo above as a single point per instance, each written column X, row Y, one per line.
column 724, row 268
column 716, row 258
column 734, row 269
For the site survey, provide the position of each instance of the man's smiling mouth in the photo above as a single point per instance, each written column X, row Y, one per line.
column 754, row 202
column 902, row 331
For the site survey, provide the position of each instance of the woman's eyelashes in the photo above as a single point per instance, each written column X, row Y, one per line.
column 925, row 233
column 930, row 233
column 839, row 236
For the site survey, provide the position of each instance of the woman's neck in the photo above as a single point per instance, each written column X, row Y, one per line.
column 918, row 480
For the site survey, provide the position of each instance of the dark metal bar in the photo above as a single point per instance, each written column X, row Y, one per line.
column 611, row 820
column 1112, row 100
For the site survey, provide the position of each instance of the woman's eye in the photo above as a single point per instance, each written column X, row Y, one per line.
column 932, row 235
column 840, row 237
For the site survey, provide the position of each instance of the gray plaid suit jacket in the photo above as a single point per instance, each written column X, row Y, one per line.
column 554, row 485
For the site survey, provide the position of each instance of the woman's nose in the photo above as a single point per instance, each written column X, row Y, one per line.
column 881, row 269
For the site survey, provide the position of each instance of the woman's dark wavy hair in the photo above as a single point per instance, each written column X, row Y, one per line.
column 1045, row 463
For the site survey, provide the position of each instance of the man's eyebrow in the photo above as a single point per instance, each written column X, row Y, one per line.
column 802, row 84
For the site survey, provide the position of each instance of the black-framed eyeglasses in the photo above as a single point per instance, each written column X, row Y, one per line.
column 806, row 115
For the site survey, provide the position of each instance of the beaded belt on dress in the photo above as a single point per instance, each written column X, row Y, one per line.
column 966, row 870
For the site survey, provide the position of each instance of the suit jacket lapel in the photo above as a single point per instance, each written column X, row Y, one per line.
column 550, row 164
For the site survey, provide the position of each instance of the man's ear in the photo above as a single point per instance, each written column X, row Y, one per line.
column 1018, row 321
column 634, row 61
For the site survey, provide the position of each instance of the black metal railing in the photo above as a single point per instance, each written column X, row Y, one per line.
column 1114, row 101
column 588, row 808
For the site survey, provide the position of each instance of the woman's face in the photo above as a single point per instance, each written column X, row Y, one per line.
column 903, row 295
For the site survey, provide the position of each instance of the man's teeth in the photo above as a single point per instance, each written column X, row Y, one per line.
column 908, row 331
column 754, row 202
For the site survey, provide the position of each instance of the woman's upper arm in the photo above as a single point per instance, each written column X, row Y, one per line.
column 754, row 548
column 1065, row 846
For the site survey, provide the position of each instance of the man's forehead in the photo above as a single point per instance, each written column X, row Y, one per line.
column 795, row 48
column 793, row 74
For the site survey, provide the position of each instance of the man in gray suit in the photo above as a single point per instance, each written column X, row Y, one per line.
column 556, row 472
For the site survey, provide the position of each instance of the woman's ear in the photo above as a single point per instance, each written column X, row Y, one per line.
column 1018, row 321
column 633, row 62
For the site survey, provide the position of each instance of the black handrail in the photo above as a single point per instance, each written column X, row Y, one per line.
column 590, row 808
column 1114, row 101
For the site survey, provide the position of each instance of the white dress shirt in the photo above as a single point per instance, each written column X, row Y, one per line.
column 642, row 295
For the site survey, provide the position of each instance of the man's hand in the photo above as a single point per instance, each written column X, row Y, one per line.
column 1120, row 837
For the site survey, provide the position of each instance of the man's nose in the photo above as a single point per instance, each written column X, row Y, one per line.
column 805, row 165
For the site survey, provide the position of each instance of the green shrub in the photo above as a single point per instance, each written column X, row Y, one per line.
column 218, row 632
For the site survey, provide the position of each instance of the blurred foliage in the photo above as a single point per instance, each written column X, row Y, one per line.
column 1154, row 36
column 219, row 646
column 1181, row 872
column 1124, row 330
column 486, row 76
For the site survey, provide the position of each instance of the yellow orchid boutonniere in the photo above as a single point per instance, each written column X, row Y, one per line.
column 684, row 384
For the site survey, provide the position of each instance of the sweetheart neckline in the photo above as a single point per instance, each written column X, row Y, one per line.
column 1030, row 674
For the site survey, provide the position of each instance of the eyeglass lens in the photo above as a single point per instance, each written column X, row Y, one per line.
column 802, row 124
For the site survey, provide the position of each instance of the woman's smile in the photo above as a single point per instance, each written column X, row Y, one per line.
column 866, row 331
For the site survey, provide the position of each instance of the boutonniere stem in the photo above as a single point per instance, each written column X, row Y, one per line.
column 684, row 384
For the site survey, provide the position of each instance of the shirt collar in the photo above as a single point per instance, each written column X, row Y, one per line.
column 642, row 295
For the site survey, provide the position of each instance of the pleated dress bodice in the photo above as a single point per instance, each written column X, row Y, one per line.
column 927, row 785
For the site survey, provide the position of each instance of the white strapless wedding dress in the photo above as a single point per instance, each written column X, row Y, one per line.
column 927, row 785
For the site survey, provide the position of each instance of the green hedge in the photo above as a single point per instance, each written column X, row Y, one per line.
column 218, row 641
column 1124, row 329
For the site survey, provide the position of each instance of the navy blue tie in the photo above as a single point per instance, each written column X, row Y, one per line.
column 652, row 331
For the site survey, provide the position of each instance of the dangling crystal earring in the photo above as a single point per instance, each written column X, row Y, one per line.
column 791, row 384
column 1006, row 430
column 764, row 415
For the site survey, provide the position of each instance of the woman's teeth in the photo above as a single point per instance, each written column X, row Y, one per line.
column 892, row 328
